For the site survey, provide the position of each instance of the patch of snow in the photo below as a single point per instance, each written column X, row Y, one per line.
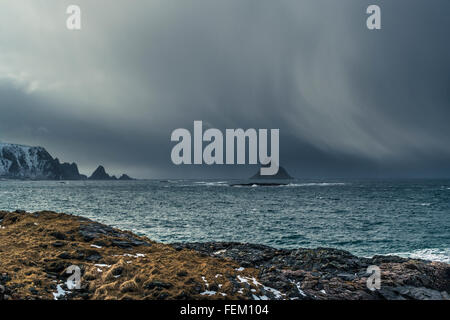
column 240, row 269
column 297, row 284
column 246, row 280
column 95, row 246
column 206, row 282
column 137, row 255
column 30, row 162
column 60, row 292
column 208, row 293
column 275, row 292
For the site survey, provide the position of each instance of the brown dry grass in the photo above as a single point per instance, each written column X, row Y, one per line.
column 34, row 266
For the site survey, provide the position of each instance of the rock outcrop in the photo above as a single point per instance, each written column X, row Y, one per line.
column 125, row 177
column 70, row 172
column 281, row 175
column 37, row 248
column 326, row 273
column 100, row 174
column 279, row 179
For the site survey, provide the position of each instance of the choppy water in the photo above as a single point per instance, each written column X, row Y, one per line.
column 409, row 218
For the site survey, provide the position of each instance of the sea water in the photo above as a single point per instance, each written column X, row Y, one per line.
column 407, row 218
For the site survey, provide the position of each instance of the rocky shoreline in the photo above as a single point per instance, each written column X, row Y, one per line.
column 36, row 249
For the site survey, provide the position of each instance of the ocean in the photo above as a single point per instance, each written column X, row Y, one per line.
column 408, row 218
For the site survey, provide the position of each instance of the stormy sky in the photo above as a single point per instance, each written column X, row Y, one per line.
column 349, row 102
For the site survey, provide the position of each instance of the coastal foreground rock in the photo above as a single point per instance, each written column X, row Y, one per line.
column 36, row 249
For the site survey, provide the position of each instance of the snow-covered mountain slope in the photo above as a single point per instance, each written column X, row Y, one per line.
column 25, row 162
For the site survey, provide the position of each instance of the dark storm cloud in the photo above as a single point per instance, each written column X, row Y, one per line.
column 71, row 137
column 348, row 101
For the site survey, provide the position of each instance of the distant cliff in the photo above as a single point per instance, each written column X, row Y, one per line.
column 35, row 163
column 25, row 162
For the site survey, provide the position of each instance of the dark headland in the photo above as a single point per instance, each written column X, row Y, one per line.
column 35, row 163
column 37, row 248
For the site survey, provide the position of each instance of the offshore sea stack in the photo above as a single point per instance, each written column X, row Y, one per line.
column 280, row 179
column 100, row 174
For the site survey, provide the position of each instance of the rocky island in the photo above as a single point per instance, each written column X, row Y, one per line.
column 280, row 179
column 36, row 250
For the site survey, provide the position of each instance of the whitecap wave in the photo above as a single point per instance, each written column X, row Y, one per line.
column 431, row 254
column 211, row 183
column 316, row 184
column 425, row 204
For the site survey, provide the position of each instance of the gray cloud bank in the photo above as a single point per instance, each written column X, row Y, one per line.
column 348, row 101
